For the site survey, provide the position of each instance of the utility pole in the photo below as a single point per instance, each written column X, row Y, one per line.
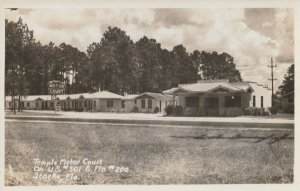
column 272, row 79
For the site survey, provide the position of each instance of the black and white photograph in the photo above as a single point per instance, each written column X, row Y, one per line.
column 148, row 95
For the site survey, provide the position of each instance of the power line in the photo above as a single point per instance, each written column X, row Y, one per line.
column 272, row 77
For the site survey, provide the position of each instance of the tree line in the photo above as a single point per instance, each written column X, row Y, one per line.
column 115, row 64
column 288, row 83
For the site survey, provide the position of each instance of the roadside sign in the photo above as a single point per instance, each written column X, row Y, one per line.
column 56, row 87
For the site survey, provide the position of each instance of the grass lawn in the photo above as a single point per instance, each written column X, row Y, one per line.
column 153, row 155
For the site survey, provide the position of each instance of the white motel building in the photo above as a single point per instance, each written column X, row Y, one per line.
column 204, row 98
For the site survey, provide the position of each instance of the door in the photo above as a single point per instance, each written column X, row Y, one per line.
column 211, row 106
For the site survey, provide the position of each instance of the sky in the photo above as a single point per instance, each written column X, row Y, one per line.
column 251, row 36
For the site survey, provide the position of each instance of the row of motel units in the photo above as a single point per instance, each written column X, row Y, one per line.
column 220, row 97
column 204, row 98
column 102, row 101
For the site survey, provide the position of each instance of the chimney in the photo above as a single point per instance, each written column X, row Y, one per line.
column 99, row 89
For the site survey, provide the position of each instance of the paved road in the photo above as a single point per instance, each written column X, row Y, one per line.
column 211, row 126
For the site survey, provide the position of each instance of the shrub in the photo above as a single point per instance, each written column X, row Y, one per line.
column 169, row 110
column 156, row 110
column 174, row 110
column 253, row 111
column 266, row 111
column 135, row 109
column 246, row 110
column 274, row 109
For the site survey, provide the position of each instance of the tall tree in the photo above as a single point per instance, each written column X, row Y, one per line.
column 215, row 66
column 147, row 60
column 112, row 58
column 167, row 79
column 34, row 68
column 288, row 83
column 185, row 70
column 17, row 39
column 71, row 64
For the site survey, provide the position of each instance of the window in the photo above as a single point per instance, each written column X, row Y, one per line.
column 110, row 103
column 254, row 101
column 85, row 103
column 94, row 104
column 143, row 103
column 28, row 104
column 37, row 104
column 123, row 103
column 150, row 103
column 9, row 103
column 51, row 104
column 192, row 101
column 261, row 101
column 135, row 101
column 233, row 101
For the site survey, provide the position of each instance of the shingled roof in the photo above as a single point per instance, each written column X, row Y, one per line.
column 100, row 95
column 158, row 96
column 105, row 95
column 203, row 86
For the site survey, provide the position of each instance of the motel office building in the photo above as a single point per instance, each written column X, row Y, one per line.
column 220, row 97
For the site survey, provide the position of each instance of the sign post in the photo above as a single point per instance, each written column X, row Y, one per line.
column 55, row 87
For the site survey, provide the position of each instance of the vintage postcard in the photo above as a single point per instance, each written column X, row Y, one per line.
column 103, row 94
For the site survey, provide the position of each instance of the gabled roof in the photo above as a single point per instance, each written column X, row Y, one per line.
column 36, row 97
column 100, row 95
column 62, row 97
column 226, row 87
column 242, row 85
column 158, row 96
column 74, row 96
column 30, row 97
column 246, row 86
column 203, row 86
column 208, row 86
column 104, row 95
column 130, row 96
column 170, row 91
